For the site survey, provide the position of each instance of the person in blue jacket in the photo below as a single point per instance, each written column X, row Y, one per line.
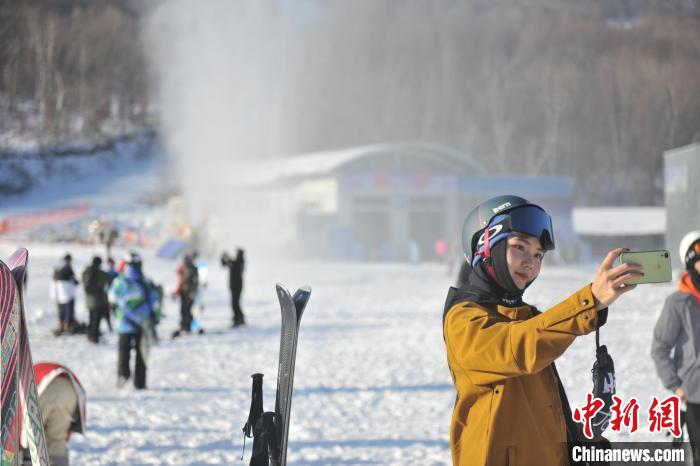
column 136, row 303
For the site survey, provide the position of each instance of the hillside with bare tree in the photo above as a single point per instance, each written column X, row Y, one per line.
column 588, row 89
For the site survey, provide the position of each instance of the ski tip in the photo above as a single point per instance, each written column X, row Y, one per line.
column 18, row 258
column 304, row 289
column 301, row 299
column 281, row 288
column 303, row 293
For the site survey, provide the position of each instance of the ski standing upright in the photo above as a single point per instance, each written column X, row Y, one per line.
column 270, row 431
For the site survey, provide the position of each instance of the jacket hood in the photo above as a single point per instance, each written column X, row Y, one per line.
column 480, row 289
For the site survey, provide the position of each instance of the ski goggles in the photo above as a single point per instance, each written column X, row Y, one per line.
column 533, row 221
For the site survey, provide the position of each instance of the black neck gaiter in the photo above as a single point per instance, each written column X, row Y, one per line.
column 487, row 291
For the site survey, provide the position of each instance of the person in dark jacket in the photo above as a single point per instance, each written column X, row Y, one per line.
column 112, row 271
column 511, row 407
column 235, row 282
column 96, row 283
column 674, row 346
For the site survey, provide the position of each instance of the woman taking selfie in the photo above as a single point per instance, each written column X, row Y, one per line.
column 511, row 407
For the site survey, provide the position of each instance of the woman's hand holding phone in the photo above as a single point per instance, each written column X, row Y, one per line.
column 611, row 282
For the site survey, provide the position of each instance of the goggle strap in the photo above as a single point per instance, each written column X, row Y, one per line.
column 487, row 243
column 491, row 272
column 487, row 255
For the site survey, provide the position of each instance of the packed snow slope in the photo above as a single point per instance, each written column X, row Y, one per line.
column 371, row 386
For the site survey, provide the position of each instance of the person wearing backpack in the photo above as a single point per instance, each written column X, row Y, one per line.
column 96, row 283
column 511, row 407
column 137, row 307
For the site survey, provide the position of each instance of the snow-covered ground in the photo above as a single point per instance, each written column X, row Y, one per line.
column 371, row 386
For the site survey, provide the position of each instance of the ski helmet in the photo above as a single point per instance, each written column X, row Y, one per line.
column 689, row 249
column 134, row 259
column 497, row 219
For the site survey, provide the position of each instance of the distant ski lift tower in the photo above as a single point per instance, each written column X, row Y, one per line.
column 682, row 194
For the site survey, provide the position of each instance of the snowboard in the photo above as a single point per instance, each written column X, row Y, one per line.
column 21, row 419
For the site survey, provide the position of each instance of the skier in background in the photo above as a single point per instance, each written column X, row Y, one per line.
column 673, row 347
column 63, row 289
column 136, row 302
column 501, row 351
column 62, row 403
column 235, row 280
column 186, row 289
column 112, row 271
column 111, row 268
column 203, row 281
column 441, row 250
column 96, row 283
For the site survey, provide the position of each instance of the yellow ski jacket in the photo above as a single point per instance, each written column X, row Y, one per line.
column 508, row 409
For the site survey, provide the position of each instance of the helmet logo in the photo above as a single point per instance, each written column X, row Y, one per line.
column 505, row 205
column 493, row 231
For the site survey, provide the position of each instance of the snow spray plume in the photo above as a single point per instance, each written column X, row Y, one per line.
column 220, row 74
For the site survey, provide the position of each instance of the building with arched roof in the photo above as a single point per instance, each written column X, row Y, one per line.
column 395, row 201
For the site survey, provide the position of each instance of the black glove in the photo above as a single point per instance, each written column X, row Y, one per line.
column 603, row 388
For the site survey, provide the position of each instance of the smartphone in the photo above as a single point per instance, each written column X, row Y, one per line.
column 656, row 265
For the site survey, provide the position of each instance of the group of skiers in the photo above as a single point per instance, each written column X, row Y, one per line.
column 64, row 288
column 511, row 406
column 136, row 302
column 125, row 291
column 192, row 278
